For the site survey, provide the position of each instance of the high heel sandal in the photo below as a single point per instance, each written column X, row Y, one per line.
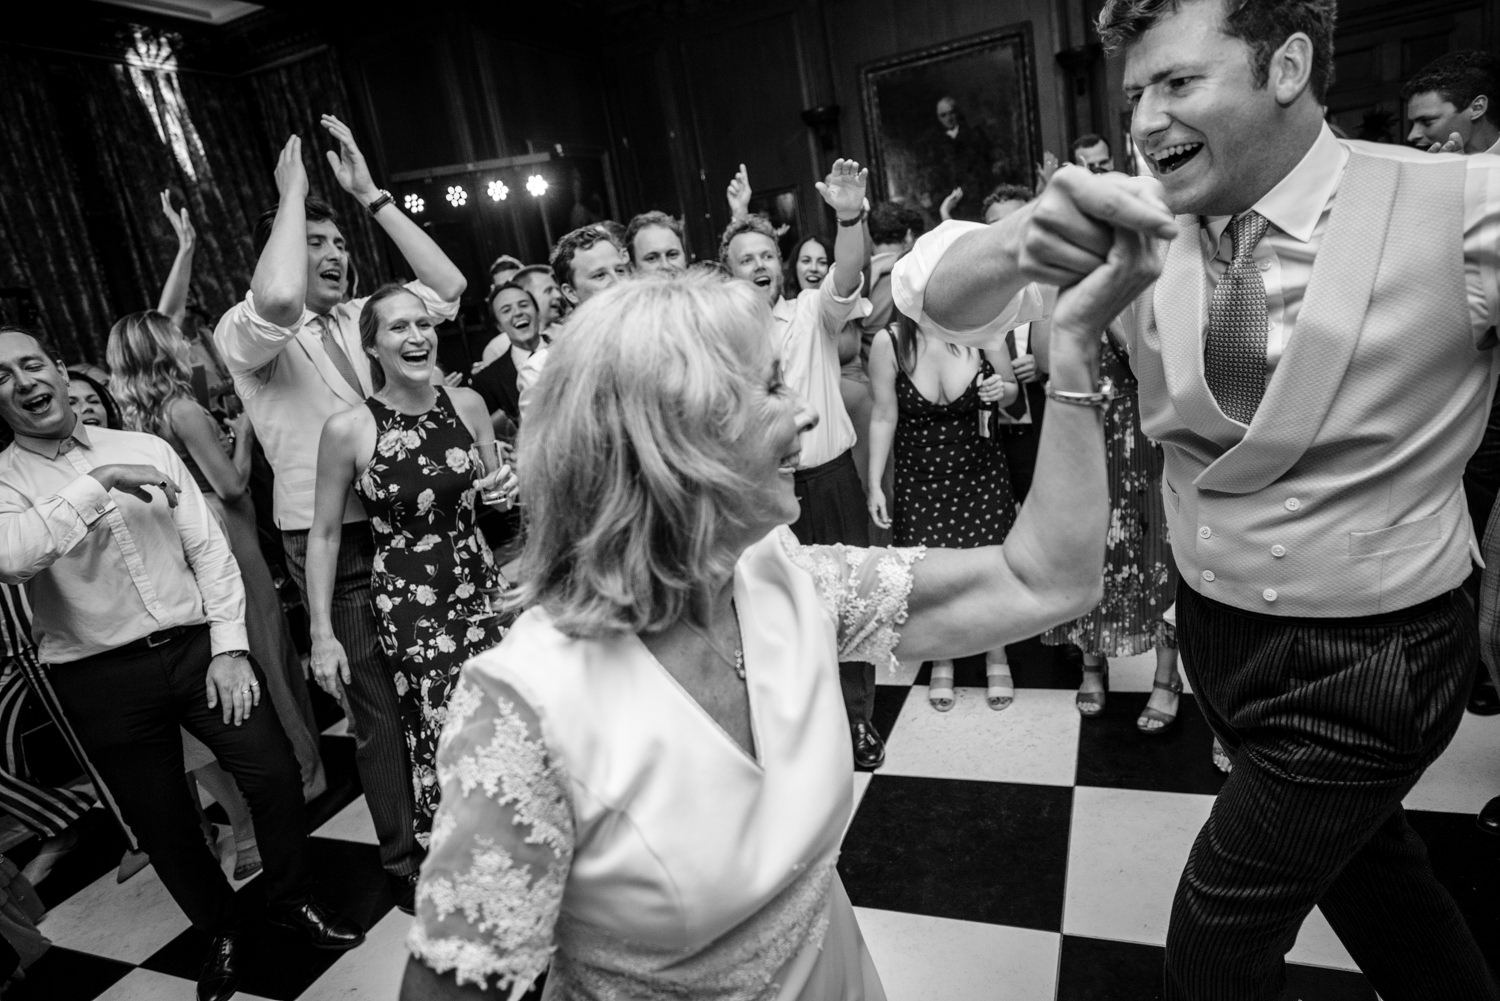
column 1000, row 690
column 246, row 859
column 940, row 686
column 1092, row 703
column 1164, row 720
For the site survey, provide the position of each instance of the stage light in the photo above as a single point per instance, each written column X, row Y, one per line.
column 457, row 196
column 415, row 204
column 498, row 191
column 536, row 185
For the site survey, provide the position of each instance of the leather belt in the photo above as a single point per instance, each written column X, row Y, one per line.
column 157, row 639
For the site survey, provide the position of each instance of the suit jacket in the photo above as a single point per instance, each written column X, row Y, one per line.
column 1342, row 497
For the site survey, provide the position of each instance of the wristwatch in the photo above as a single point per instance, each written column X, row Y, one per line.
column 385, row 198
column 855, row 221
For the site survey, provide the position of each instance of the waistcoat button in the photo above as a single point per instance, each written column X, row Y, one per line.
column 1278, row 550
column 1205, row 532
column 1208, row 575
column 1269, row 594
column 1292, row 504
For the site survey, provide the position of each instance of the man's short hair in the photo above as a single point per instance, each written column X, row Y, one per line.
column 504, row 261
column 1088, row 141
column 756, row 223
column 1261, row 24
column 1006, row 193
column 1458, row 78
column 655, row 217
column 317, row 211
column 514, row 283
column 890, row 221
column 581, row 239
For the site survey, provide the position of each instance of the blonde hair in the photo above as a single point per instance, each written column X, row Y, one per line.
column 149, row 367
column 630, row 471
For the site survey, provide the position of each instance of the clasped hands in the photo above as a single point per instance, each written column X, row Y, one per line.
column 1095, row 237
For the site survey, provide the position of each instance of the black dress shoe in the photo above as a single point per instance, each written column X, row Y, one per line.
column 1489, row 817
column 315, row 926
column 869, row 749
column 1484, row 700
column 220, row 977
column 405, row 890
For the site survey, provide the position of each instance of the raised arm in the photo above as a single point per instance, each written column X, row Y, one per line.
column 174, row 293
column 882, row 425
column 844, row 191
column 431, row 266
column 738, row 195
column 336, row 456
column 1058, row 239
column 279, row 284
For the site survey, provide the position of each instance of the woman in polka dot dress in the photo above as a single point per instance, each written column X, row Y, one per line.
column 951, row 485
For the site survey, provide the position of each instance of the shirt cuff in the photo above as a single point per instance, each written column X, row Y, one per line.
column 225, row 636
column 437, row 306
column 88, row 497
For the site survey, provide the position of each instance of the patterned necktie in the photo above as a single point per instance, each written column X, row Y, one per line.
column 1234, row 354
column 336, row 352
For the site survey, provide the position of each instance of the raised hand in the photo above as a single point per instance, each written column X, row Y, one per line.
column 1086, row 307
column 739, row 194
column 945, row 210
column 1069, row 232
column 291, row 173
column 844, row 188
column 349, row 167
column 181, row 224
column 1046, row 169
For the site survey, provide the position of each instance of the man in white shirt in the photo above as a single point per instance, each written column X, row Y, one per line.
column 806, row 333
column 1458, row 96
column 140, row 622
column 293, row 347
column 1313, row 449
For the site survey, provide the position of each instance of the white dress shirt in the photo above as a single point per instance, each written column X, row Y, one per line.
column 103, row 569
column 805, row 333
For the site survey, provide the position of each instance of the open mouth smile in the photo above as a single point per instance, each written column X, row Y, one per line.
column 1170, row 158
column 37, row 404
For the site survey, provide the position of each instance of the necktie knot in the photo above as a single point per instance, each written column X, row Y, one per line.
column 1245, row 233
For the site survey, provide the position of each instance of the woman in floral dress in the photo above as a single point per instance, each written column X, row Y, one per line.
column 1140, row 578
column 405, row 453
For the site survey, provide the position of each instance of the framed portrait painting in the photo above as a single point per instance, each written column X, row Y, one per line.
column 961, row 115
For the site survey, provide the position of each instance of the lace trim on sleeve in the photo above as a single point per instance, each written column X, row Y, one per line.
column 866, row 592
column 502, row 843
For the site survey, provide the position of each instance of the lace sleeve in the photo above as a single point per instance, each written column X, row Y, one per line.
column 865, row 590
column 502, row 842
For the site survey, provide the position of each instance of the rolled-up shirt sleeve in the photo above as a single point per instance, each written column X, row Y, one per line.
column 248, row 341
column 912, row 272
column 34, row 536
column 835, row 310
column 437, row 307
column 210, row 560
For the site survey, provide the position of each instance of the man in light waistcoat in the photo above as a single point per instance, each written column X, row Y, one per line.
column 1317, row 377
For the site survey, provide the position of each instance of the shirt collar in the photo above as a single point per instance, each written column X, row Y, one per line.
column 1296, row 203
column 784, row 309
column 51, row 448
column 1495, row 149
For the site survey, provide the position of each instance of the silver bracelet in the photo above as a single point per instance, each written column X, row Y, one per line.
column 1100, row 398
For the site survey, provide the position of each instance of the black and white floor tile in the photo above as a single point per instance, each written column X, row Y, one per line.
column 1028, row 855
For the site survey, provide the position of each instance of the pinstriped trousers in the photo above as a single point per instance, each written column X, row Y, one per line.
column 370, row 698
column 45, row 810
column 1330, row 722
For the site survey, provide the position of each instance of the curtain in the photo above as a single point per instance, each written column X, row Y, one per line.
column 80, row 215
column 43, row 247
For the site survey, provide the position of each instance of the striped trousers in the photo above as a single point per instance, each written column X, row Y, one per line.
column 47, row 811
column 1329, row 722
column 370, row 698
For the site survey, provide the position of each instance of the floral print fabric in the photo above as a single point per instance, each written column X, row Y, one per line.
column 431, row 574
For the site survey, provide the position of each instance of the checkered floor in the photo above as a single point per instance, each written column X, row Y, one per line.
column 1024, row 855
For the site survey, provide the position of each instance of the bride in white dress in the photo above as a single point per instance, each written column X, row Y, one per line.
column 645, row 785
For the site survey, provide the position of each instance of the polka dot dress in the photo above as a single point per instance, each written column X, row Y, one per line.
column 952, row 488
